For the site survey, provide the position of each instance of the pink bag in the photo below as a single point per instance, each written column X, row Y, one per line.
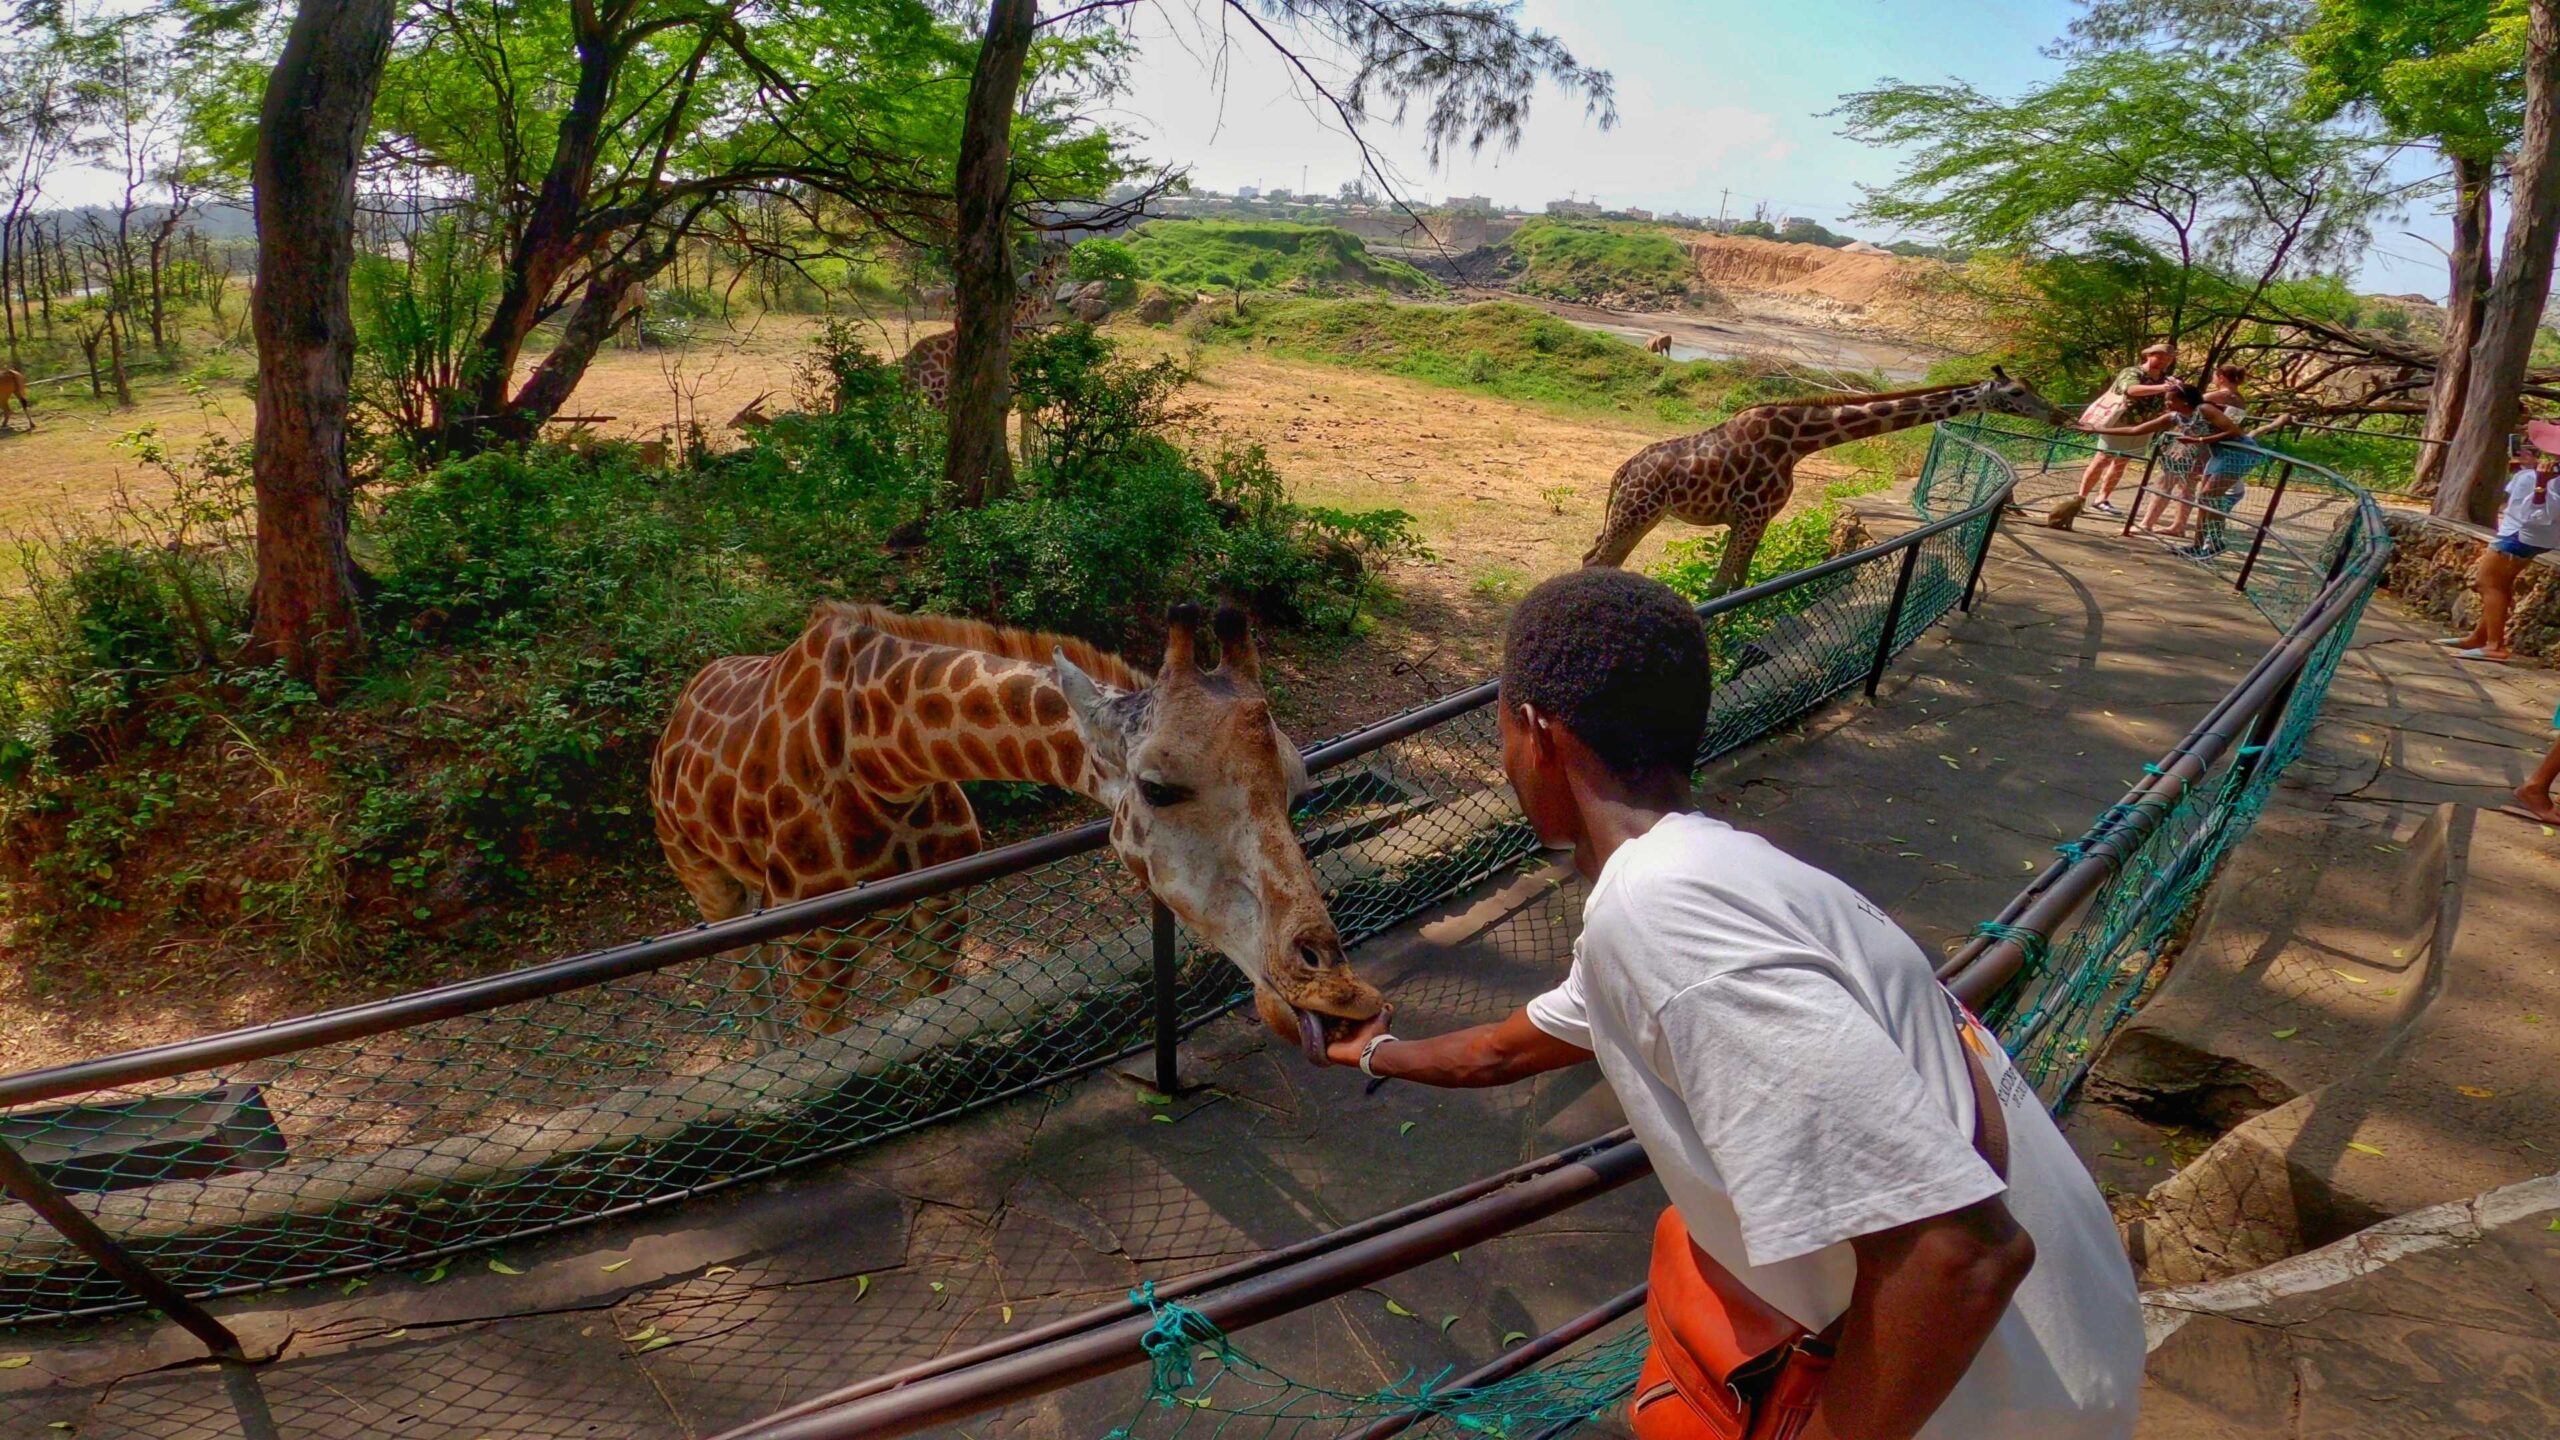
column 2107, row 409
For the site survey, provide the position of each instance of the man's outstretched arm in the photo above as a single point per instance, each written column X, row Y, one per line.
column 1928, row 1295
column 1508, row 1049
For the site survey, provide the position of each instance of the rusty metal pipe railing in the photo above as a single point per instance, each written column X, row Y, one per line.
column 958, row 1394
column 1979, row 970
column 1228, row 1274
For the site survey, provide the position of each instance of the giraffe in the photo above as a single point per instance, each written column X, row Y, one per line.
column 839, row 760
column 1740, row 473
column 928, row 364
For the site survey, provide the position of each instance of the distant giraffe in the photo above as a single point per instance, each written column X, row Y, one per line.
column 1740, row 473
column 928, row 364
column 1659, row 345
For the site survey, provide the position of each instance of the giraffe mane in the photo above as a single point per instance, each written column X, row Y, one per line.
column 1866, row 399
column 986, row 639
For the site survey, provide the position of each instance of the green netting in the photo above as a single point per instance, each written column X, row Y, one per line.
column 404, row 1148
column 1202, row 1385
column 2076, row 988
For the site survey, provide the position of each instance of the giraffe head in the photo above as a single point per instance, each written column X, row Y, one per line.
column 1040, row 283
column 1199, row 782
column 2001, row 395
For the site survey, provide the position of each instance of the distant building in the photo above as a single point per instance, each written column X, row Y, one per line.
column 1575, row 208
column 1790, row 222
column 1476, row 204
column 1632, row 213
column 1248, row 192
column 1685, row 222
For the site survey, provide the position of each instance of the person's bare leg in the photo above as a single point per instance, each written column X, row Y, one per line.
column 2115, row 473
column 2534, row 795
column 2497, row 595
column 2095, row 474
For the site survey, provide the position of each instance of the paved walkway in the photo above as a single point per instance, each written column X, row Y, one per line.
column 1999, row 735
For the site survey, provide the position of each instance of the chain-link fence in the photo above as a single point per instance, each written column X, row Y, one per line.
column 408, row 1130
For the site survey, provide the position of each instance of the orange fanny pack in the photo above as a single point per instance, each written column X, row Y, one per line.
column 1726, row 1364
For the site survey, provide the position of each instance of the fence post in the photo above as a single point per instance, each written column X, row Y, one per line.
column 1168, row 983
column 32, row 1190
column 2140, row 490
column 1990, row 527
column 2266, row 521
column 1892, row 618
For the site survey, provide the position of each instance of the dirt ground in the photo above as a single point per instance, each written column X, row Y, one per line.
column 1503, row 494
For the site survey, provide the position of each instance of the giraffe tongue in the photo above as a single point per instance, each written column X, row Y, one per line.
column 1311, row 1036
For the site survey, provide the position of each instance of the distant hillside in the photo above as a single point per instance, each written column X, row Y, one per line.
column 1268, row 255
column 1596, row 263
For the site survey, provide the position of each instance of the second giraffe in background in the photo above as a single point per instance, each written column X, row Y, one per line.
column 1741, row 473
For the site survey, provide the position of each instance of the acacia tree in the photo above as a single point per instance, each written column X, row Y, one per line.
column 2441, row 73
column 2511, row 311
column 593, row 137
column 2201, row 161
column 311, row 134
column 1467, row 64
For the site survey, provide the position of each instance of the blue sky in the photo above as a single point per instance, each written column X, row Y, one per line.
column 1712, row 95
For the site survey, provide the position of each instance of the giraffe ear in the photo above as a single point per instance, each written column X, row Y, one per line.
column 2000, row 374
column 1089, row 709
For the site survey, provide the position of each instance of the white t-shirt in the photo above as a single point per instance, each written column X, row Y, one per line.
column 2537, row 525
column 1794, row 1070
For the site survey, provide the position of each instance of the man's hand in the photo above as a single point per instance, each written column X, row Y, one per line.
column 1508, row 1049
column 1346, row 1051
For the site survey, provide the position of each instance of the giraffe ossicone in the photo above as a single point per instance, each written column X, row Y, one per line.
column 1741, row 473
column 840, row 760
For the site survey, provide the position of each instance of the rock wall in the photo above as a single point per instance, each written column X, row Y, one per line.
column 2430, row 572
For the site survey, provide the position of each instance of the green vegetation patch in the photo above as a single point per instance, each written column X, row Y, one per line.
column 1197, row 255
column 1586, row 261
column 1501, row 349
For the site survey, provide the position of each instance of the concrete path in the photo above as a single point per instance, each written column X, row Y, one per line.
column 2000, row 735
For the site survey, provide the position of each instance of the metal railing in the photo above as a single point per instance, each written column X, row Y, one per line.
column 404, row 1130
column 2050, row 969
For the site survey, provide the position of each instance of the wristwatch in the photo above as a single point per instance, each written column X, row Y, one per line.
column 1369, row 1050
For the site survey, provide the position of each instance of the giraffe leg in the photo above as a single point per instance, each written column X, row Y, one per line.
column 1634, row 509
column 1741, row 542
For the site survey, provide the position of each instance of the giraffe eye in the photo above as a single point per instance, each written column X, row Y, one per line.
column 1159, row 795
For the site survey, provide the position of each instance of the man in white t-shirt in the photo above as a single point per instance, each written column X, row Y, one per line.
column 1792, row 1067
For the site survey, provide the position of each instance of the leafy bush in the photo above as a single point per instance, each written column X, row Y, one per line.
column 1192, row 255
column 1103, row 259
column 1584, row 261
column 1789, row 544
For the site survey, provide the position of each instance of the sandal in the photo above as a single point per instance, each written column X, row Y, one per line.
column 2476, row 653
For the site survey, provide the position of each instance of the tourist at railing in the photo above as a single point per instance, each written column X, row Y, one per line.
column 2529, row 525
column 1859, row 1177
column 2187, row 432
column 2134, row 396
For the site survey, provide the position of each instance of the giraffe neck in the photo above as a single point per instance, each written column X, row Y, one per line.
column 1000, row 719
column 1830, row 425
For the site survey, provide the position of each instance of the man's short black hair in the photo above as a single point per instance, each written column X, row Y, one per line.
column 1619, row 660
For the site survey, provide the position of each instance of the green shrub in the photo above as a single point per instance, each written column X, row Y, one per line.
column 1193, row 255
column 1792, row 543
column 1587, row 260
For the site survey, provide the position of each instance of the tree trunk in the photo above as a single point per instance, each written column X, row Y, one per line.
column 2470, row 289
column 115, row 359
column 599, row 310
column 311, row 133
column 976, row 468
column 2492, row 403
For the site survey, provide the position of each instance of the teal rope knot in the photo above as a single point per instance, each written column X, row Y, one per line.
column 2030, row 942
column 1172, row 1341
